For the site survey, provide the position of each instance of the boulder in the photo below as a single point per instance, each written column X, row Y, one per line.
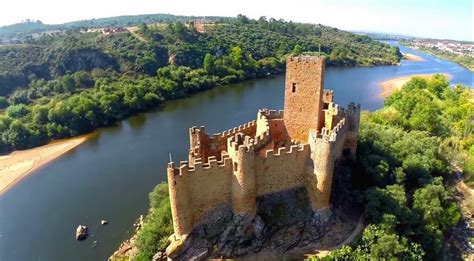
column 104, row 222
column 81, row 232
column 159, row 256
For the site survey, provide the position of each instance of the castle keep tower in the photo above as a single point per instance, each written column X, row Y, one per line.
column 304, row 96
column 279, row 151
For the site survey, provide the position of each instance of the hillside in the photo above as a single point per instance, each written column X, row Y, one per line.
column 28, row 27
column 66, row 84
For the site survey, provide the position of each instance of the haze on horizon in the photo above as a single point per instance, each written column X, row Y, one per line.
column 443, row 19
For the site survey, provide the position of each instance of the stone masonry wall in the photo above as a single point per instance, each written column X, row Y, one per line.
column 281, row 170
column 304, row 96
column 194, row 190
column 203, row 146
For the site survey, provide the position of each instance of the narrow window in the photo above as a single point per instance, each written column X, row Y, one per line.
column 235, row 166
column 293, row 87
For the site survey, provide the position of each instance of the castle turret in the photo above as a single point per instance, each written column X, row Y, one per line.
column 304, row 96
column 353, row 119
column 240, row 149
column 320, row 169
column 178, row 186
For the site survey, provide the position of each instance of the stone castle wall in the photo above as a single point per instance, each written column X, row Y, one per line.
column 281, row 170
column 195, row 190
column 280, row 150
column 237, row 180
column 303, row 96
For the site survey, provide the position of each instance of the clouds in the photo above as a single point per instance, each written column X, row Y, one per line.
column 433, row 18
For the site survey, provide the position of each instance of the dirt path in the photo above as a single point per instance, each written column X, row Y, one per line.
column 353, row 236
column 133, row 30
column 461, row 235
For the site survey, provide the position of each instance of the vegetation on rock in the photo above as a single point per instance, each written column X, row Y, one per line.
column 157, row 226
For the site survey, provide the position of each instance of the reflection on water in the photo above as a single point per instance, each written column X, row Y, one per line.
column 110, row 175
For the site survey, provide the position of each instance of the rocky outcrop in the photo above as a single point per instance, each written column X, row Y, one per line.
column 84, row 59
column 283, row 221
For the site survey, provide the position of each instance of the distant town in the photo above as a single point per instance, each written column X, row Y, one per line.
column 461, row 52
column 448, row 46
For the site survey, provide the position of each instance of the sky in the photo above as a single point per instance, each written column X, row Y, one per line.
column 446, row 19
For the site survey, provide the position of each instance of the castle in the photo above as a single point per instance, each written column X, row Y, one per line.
column 278, row 151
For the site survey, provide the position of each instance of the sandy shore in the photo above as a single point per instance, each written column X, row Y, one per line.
column 412, row 57
column 18, row 164
column 389, row 86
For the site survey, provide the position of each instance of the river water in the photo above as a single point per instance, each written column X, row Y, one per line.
column 110, row 175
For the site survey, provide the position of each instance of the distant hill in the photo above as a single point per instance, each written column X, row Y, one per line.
column 28, row 27
column 384, row 36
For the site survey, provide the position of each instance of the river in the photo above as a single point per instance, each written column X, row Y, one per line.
column 109, row 176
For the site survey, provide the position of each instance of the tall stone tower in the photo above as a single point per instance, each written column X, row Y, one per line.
column 304, row 96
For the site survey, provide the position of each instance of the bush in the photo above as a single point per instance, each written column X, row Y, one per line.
column 158, row 225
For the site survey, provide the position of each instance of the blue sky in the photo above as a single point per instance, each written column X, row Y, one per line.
column 451, row 19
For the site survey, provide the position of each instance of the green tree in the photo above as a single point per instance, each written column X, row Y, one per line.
column 237, row 57
column 3, row 102
column 437, row 212
column 297, row 50
column 17, row 111
column 208, row 63
column 18, row 136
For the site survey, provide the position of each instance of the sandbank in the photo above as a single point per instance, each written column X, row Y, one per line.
column 391, row 85
column 18, row 164
column 412, row 57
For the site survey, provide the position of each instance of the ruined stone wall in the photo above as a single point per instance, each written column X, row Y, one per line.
column 304, row 96
column 281, row 170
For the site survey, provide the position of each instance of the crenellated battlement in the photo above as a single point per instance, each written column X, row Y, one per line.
column 185, row 168
column 353, row 108
column 271, row 114
column 328, row 96
column 306, row 59
column 224, row 134
column 233, row 131
column 239, row 142
column 301, row 149
column 331, row 135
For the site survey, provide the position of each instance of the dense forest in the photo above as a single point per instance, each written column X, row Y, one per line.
column 58, row 86
column 407, row 151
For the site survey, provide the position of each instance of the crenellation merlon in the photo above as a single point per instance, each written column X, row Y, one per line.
column 233, row 131
column 271, row 114
column 306, row 59
column 283, row 151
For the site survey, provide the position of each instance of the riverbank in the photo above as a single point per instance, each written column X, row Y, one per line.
column 412, row 57
column 18, row 164
column 463, row 60
column 391, row 85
